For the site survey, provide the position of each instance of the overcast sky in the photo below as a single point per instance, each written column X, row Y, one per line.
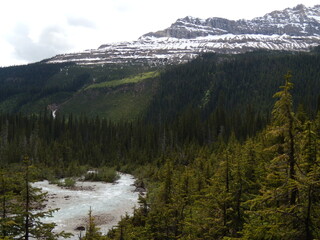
column 32, row 30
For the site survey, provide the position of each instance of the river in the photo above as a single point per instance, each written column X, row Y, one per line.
column 108, row 203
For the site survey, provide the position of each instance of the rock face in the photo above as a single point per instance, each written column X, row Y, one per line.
column 294, row 29
column 298, row 21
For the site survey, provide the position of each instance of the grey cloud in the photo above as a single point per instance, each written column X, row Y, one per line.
column 81, row 22
column 52, row 41
column 123, row 6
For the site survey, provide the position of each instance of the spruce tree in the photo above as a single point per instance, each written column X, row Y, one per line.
column 29, row 215
column 277, row 206
column 7, row 206
column 92, row 232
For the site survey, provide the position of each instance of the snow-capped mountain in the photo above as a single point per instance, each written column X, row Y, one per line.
column 298, row 21
column 296, row 29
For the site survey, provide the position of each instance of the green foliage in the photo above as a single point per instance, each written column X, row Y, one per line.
column 264, row 188
column 21, row 207
column 235, row 92
column 127, row 102
column 67, row 182
column 92, row 232
column 8, row 185
column 31, row 88
column 287, row 192
column 133, row 79
column 104, row 174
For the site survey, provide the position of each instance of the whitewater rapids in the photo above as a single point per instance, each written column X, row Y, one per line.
column 108, row 203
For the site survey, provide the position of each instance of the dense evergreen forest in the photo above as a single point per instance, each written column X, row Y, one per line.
column 223, row 151
column 244, row 82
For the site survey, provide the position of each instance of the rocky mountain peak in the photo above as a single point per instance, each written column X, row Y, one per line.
column 297, row 15
column 298, row 21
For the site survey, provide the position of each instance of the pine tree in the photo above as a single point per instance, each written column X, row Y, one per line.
column 277, row 206
column 309, row 181
column 7, row 206
column 28, row 217
column 92, row 232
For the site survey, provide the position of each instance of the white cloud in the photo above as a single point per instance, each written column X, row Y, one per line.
column 81, row 22
column 52, row 40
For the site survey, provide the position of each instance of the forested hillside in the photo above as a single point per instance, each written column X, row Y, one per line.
column 238, row 86
column 223, row 151
column 32, row 88
column 266, row 187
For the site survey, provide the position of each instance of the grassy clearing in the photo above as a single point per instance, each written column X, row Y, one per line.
column 112, row 104
column 133, row 79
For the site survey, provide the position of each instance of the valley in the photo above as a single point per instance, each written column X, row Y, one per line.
column 219, row 119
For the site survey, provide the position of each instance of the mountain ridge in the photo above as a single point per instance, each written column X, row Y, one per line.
column 290, row 21
column 292, row 29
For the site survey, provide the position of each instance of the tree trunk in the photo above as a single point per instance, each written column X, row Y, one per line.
column 27, row 203
column 308, row 217
column 4, row 207
column 292, row 172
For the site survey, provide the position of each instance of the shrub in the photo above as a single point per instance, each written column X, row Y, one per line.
column 103, row 174
column 68, row 183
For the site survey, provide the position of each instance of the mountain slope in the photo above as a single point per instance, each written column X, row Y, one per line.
column 123, row 99
column 293, row 29
column 214, row 84
column 35, row 87
column 234, row 86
